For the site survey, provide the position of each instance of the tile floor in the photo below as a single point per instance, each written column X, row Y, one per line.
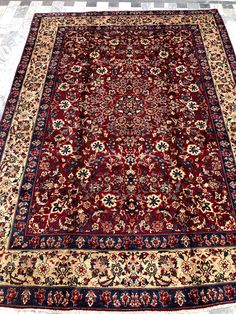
column 15, row 19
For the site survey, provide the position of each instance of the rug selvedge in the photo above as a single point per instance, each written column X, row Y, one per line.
column 93, row 269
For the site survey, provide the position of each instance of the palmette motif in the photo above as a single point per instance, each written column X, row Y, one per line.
column 119, row 143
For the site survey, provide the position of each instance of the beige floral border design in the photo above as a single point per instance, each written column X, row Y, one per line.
column 91, row 269
column 15, row 155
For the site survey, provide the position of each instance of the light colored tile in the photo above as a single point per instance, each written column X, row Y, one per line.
column 231, row 27
column 57, row 6
column 217, row 6
column 80, row 6
column 36, row 3
column 102, row 6
column 2, row 10
column 193, row 6
column 7, row 17
column 13, row 4
column 21, row 11
column 125, row 6
column 172, row 6
column 147, row 6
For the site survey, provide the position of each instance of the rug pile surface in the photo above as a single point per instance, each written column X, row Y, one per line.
column 117, row 167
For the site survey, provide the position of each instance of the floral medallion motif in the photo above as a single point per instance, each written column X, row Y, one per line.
column 119, row 153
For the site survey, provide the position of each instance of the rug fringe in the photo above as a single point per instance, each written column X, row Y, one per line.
column 231, row 309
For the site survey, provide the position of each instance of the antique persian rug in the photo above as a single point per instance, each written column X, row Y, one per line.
column 117, row 166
